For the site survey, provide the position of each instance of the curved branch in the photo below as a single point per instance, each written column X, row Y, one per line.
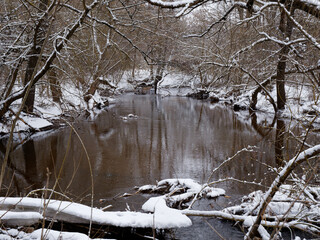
column 261, row 86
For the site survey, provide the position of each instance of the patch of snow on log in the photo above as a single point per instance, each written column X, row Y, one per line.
column 19, row 218
column 163, row 215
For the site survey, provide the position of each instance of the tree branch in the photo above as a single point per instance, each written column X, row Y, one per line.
column 279, row 180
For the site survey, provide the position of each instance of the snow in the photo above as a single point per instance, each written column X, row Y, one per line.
column 278, row 207
column 179, row 3
column 44, row 233
column 288, row 201
column 26, row 122
column 13, row 232
column 26, row 211
column 49, row 111
column 19, row 218
column 312, row 2
column 300, row 27
column 300, row 101
column 216, row 192
column 45, row 110
column 78, row 213
column 186, row 184
column 267, row 197
column 162, row 213
column 49, row 234
column 181, row 197
column 5, row 237
column 36, row 123
column 146, row 188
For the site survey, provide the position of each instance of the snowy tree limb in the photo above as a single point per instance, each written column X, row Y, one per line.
column 261, row 86
column 301, row 157
column 298, row 25
column 174, row 4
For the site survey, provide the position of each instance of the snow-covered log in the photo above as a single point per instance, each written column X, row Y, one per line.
column 78, row 213
column 179, row 191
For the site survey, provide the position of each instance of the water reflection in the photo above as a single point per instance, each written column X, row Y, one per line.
column 279, row 142
column 171, row 137
column 263, row 128
column 29, row 157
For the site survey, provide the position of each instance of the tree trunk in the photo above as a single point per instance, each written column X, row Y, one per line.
column 38, row 40
column 32, row 62
column 92, row 89
column 157, row 79
column 282, row 63
column 134, row 64
column 254, row 96
column 280, row 79
column 13, row 97
column 54, row 86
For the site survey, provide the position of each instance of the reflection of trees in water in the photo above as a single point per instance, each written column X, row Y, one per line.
column 170, row 138
column 279, row 142
column 264, row 130
column 19, row 181
column 34, row 163
column 30, row 159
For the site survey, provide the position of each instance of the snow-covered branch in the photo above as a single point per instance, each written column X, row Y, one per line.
column 310, row 152
column 301, row 28
column 174, row 4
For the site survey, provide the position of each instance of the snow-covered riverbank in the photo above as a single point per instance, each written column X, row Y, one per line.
column 302, row 101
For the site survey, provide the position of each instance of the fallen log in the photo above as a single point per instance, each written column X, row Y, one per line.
column 65, row 211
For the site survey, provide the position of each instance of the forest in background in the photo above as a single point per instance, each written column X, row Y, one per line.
column 46, row 46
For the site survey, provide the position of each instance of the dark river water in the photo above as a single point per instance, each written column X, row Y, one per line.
column 171, row 137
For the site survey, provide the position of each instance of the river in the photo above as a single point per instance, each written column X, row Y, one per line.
column 168, row 137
